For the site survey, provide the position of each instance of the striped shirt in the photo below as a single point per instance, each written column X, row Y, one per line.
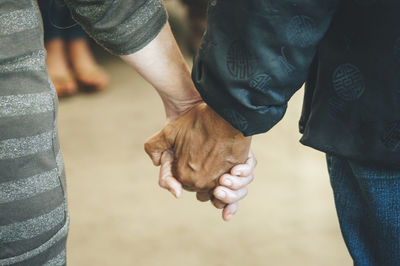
column 33, row 217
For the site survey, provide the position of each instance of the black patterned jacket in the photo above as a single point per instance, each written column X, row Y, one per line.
column 257, row 53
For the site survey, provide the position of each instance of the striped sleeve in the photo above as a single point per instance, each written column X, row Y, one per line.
column 121, row 26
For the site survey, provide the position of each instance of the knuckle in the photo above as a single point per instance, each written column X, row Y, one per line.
column 236, row 198
column 237, row 185
column 199, row 184
column 147, row 147
column 161, row 182
column 232, row 197
column 218, row 204
column 223, row 177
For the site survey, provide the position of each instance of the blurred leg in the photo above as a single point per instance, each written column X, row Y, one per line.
column 33, row 216
column 59, row 69
column 87, row 71
column 367, row 200
column 74, row 49
column 56, row 20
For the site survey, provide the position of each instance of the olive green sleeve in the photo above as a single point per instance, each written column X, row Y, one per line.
column 120, row 26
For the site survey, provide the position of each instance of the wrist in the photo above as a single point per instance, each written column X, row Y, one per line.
column 176, row 108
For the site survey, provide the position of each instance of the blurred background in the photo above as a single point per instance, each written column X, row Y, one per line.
column 119, row 215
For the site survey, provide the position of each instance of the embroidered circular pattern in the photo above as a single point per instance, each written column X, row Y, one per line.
column 260, row 83
column 348, row 82
column 240, row 61
column 391, row 136
column 301, row 31
column 236, row 119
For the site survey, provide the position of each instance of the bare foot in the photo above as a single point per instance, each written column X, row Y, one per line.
column 58, row 68
column 87, row 71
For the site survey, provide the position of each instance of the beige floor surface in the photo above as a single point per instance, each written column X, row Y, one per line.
column 120, row 217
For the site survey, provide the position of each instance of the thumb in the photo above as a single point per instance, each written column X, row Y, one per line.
column 159, row 143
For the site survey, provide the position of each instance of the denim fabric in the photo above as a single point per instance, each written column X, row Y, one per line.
column 58, row 22
column 367, row 199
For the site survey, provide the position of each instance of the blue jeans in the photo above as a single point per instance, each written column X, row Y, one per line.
column 58, row 22
column 367, row 199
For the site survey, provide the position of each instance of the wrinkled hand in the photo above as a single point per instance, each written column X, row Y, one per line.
column 202, row 147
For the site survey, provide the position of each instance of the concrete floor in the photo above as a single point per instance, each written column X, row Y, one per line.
column 119, row 215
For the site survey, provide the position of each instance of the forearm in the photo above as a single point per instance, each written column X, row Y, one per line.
column 162, row 64
column 138, row 31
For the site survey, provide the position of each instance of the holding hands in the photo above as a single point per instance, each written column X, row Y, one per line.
column 198, row 150
column 202, row 152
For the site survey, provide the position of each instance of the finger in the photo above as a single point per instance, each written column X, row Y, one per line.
column 229, row 211
column 247, row 168
column 166, row 179
column 235, row 182
column 217, row 203
column 228, row 196
column 156, row 145
column 203, row 196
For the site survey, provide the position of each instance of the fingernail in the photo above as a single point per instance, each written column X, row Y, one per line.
column 178, row 194
column 227, row 182
column 237, row 173
column 228, row 217
column 220, row 194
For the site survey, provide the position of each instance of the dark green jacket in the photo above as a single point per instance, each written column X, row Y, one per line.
column 257, row 53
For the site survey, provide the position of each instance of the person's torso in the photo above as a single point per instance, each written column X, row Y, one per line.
column 352, row 103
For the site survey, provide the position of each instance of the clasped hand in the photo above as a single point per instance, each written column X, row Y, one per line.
column 202, row 152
